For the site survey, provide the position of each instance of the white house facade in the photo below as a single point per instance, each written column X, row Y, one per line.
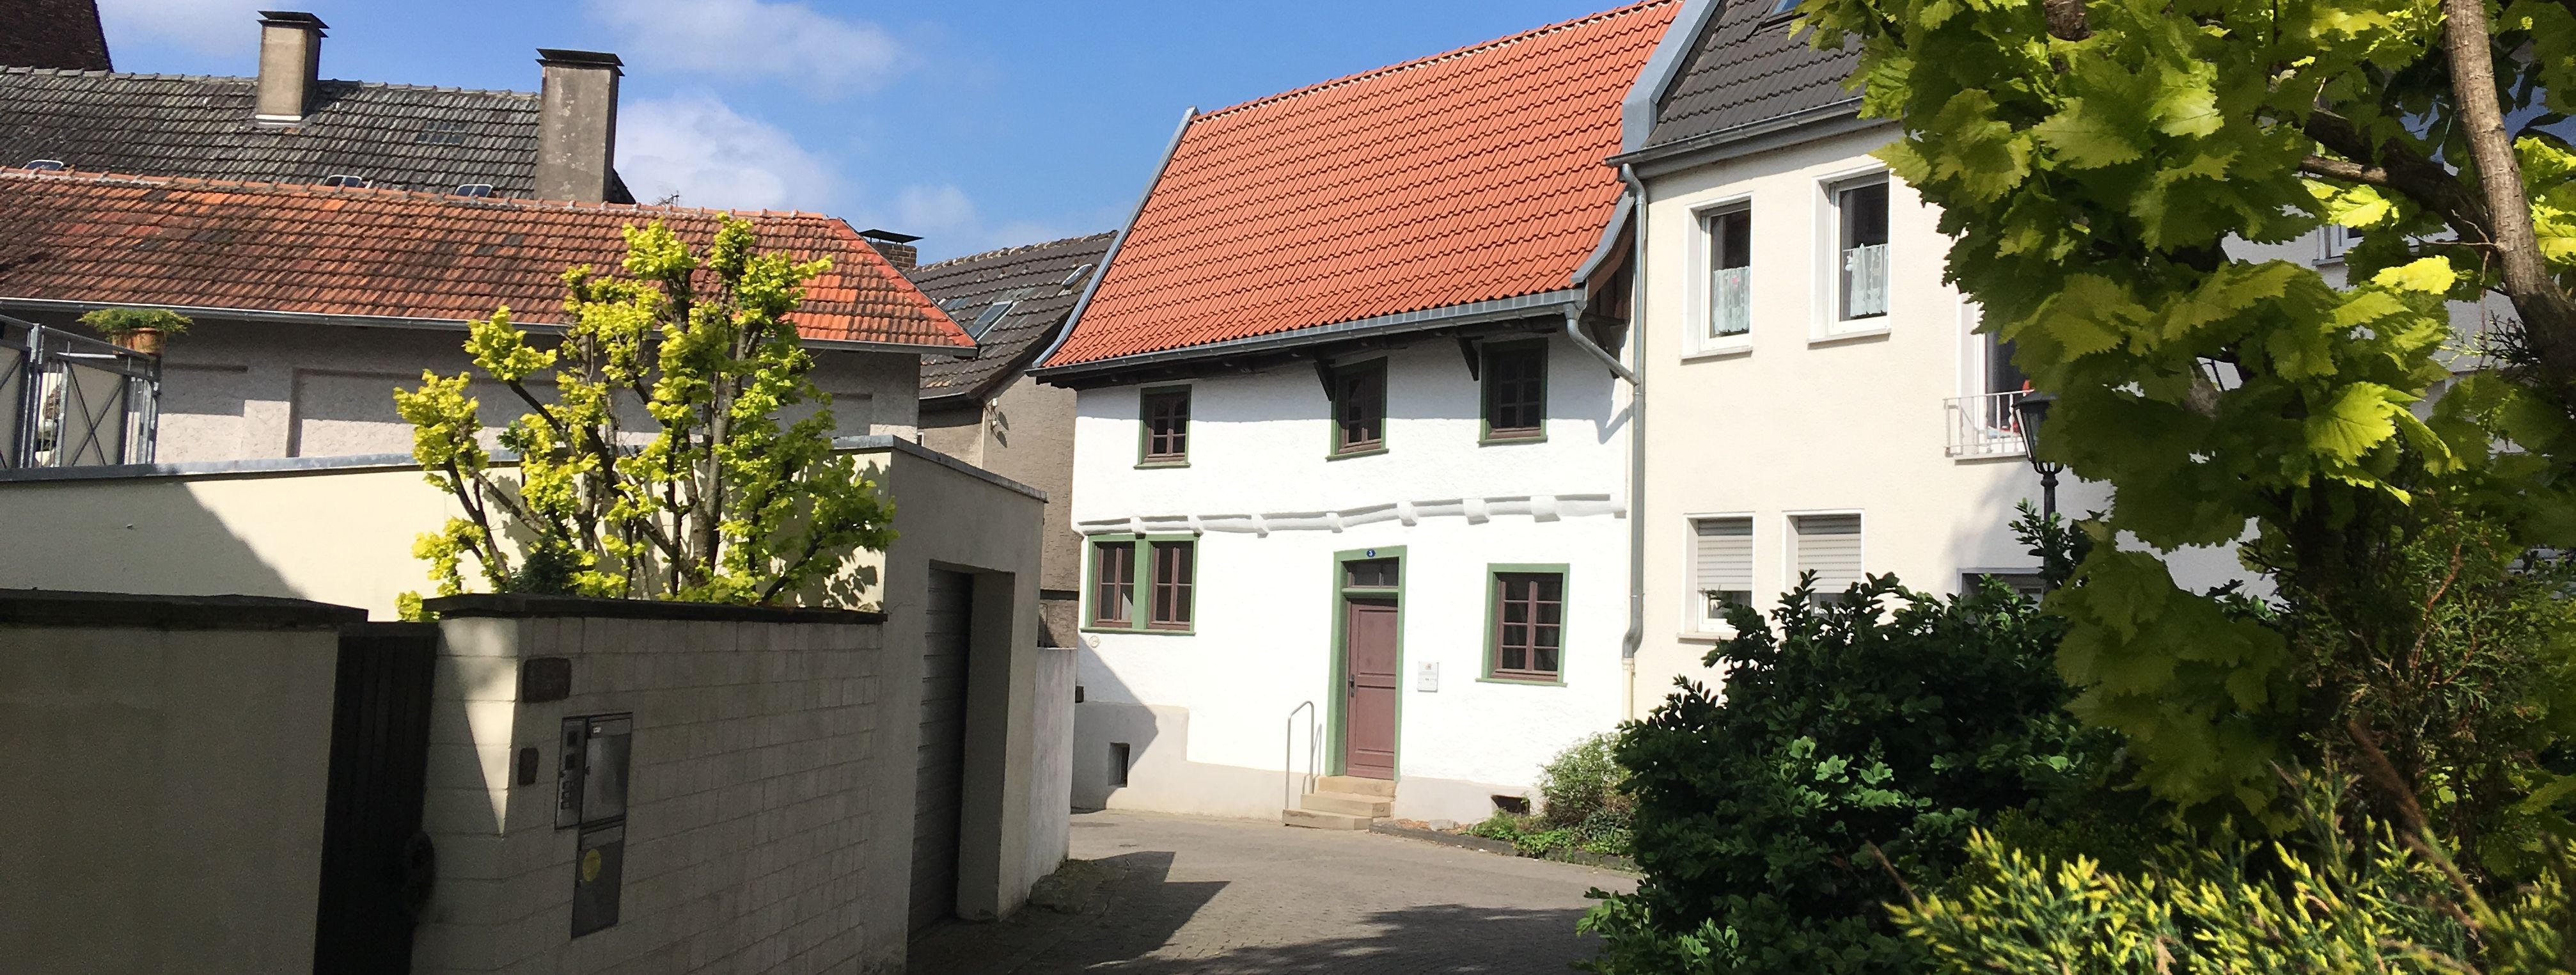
column 1352, row 442
column 1271, row 604
column 1819, row 400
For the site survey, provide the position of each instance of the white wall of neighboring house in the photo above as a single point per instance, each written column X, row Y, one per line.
column 1809, row 414
column 1206, row 717
column 241, row 390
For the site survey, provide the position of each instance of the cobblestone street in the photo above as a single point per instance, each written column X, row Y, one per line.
column 1228, row 896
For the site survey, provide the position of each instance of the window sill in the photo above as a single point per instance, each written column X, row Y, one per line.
column 1346, row 455
column 1712, row 353
column 1522, row 681
column 1857, row 335
column 1138, row 631
column 1160, row 464
column 1703, row 636
column 1491, row 440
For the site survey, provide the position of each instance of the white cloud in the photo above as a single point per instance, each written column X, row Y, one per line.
column 208, row 26
column 745, row 38
column 712, row 156
column 951, row 225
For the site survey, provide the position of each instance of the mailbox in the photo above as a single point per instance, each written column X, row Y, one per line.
column 597, row 871
column 590, row 786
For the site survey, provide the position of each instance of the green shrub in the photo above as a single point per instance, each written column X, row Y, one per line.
column 1854, row 744
column 2331, row 897
column 1584, row 795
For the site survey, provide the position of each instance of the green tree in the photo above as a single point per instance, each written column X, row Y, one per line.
column 715, row 499
column 2098, row 164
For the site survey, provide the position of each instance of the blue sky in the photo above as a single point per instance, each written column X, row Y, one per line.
column 974, row 123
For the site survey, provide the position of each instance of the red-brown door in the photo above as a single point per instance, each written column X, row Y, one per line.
column 1368, row 666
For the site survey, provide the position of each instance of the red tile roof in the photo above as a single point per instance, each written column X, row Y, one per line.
column 1470, row 176
column 189, row 243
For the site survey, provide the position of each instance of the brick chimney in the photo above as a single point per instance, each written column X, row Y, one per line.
column 290, row 59
column 577, row 125
column 897, row 248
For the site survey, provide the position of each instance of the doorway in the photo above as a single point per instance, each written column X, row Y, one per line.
column 1370, row 660
column 939, row 771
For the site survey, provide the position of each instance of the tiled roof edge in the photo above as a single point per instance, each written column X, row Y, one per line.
column 1847, row 109
column 91, row 177
column 1471, row 49
column 155, row 76
column 1009, row 251
column 1637, row 112
column 1492, row 309
column 1109, row 258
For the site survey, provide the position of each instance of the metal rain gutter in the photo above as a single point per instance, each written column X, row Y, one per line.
column 1636, row 447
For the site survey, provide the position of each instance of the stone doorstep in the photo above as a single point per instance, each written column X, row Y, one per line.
column 1311, row 819
column 1355, row 785
column 1346, row 803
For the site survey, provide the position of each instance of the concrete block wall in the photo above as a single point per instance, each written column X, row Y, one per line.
column 1051, row 763
column 164, row 763
column 753, row 805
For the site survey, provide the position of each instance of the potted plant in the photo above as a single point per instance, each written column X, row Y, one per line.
column 139, row 329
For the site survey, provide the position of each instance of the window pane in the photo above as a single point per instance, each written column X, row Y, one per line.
column 1864, row 250
column 1113, row 580
column 1546, row 654
column 1173, row 566
column 1167, row 420
column 1374, row 573
column 1513, row 657
column 1515, row 390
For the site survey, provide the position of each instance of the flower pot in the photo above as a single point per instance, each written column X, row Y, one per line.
column 143, row 340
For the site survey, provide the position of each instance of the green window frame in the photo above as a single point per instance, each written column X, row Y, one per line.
column 1141, row 584
column 1359, row 409
column 1163, row 427
column 1515, row 392
column 1525, row 623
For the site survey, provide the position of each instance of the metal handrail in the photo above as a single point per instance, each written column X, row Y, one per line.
column 1288, row 753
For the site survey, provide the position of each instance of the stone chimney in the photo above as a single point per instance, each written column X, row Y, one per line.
column 897, row 248
column 577, row 125
column 290, row 59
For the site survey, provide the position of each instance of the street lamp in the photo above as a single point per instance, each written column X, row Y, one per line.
column 2032, row 409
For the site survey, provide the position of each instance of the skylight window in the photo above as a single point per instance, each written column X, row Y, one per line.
column 345, row 179
column 992, row 313
column 46, row 164
column 1075, row 279
column 474, row 189
column 1781, row 8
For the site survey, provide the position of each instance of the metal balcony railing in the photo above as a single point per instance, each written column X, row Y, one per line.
column 1986, row 426
column 68, row 400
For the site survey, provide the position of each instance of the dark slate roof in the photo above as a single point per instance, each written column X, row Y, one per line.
column 1748, row 69
column 194, row 126
column 52, row 34
column 1041, row 278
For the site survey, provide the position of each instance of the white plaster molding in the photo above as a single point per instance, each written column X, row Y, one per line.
column 1476, row 511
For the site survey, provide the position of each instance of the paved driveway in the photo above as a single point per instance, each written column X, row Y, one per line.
column 1228, row 896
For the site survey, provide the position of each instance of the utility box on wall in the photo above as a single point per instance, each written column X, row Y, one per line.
column 590, row 794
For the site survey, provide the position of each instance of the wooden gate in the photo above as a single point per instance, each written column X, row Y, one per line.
column 376, row 862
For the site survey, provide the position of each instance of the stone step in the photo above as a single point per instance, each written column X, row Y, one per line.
column 1311, row 819
column 1346, row 803
column 1354, row 785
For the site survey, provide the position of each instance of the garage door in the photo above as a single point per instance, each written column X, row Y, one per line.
column 939, row 775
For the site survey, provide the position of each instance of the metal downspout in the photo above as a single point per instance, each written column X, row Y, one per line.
column 1638, row 332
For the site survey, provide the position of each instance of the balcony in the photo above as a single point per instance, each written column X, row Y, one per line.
column 1986, row 426
column 68, row 400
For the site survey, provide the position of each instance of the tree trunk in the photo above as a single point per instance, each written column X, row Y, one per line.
column 2548, row 317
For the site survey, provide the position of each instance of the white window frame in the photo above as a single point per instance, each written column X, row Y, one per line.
column 1704, row 340
column 2334, row 242
column 1695, row 620
column 1789, row 543
column 1830, row 323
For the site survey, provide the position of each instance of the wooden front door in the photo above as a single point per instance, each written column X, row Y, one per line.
column 1369, row 675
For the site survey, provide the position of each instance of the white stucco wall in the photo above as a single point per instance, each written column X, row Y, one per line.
column 1271, row 512
column 1814, row 416
column 237, row 390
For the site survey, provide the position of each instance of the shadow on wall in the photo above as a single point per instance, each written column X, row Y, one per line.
column 134, row 535
column 1108, row 741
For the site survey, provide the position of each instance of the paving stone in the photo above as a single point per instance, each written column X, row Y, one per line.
column 1236, row 897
